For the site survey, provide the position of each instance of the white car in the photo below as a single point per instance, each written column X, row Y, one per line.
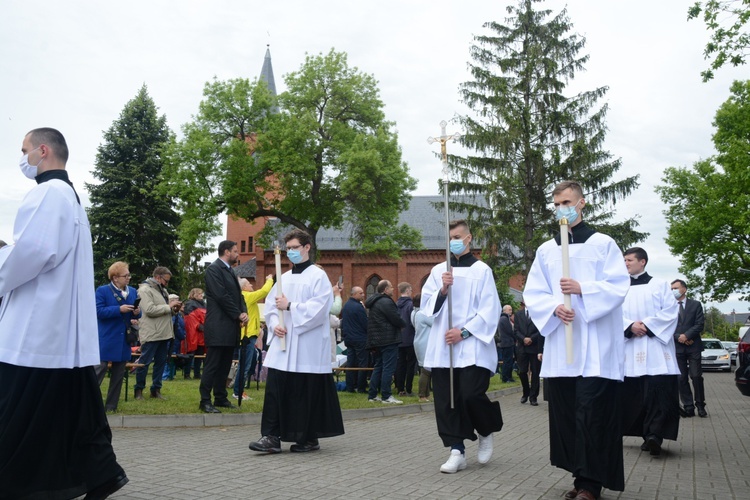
column 714, row 356
column 732, row 348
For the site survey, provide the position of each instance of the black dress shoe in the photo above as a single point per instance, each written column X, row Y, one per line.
column 644, row 446
column 689, row 413
column 306, row 447
column 654, row 447
column 106, row 489
column 702, row 412
column 225, row 404
column 533, row 402
column 267, row 444
column 208, row 408
column 524, row 399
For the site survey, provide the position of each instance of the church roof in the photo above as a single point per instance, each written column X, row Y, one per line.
column 246, row 269
column 425, row 213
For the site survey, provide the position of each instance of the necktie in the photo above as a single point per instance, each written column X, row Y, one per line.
column 681, row 315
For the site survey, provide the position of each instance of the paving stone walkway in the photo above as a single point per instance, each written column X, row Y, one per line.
column 397, row 456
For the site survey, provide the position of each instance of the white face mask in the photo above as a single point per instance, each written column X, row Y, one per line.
column 28, row 170
column 676, row 292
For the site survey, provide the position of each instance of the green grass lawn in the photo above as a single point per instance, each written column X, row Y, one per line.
column 183, row 397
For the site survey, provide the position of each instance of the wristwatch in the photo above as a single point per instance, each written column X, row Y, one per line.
column 288, row 306
column 465, row 334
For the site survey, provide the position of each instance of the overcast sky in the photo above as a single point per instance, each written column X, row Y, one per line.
column 73, row 65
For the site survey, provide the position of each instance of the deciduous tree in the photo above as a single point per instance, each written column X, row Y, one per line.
column 709, row 206
column 726, row 20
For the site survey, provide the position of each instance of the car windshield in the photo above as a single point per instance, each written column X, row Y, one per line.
column 712, row 344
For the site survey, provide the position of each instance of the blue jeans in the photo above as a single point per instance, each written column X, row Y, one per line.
column 248, row 360
column 155, row 352
column 385, row 359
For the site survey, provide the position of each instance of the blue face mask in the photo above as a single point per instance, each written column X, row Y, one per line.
column 457, row 247
column 294, row 256
column 567, row 212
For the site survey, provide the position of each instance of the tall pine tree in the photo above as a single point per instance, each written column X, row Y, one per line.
column 528, row 136
column 130, row 219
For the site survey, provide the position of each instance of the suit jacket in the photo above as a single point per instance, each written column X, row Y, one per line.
column 224, row 305
column 691, row 324
column 525, row 328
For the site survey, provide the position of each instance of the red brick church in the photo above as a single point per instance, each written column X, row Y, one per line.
column 335, row 253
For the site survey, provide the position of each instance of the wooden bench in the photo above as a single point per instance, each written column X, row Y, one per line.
column 337, row 371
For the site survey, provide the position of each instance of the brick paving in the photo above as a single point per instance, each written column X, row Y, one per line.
column 397, row 456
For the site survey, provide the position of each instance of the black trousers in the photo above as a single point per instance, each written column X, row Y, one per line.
column 585, row 424
column 528, row 360
column 690, row 365
column 215, row 373
column 405, row 369
column 473, row 409
column 115, row 382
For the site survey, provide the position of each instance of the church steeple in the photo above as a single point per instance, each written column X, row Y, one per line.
column 266, row 74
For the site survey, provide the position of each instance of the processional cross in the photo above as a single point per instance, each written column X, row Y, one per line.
column 443, row 140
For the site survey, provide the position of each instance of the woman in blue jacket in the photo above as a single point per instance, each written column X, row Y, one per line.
column 115, row 313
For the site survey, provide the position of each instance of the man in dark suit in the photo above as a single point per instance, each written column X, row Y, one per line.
column 505, row 341
column 527, row 355
column 688, row 347
column 226, row 313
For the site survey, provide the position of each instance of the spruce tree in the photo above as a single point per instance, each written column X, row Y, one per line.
column 527, row 135
column 130, row 220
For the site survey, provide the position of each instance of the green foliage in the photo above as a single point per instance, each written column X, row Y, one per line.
column 709, row 206
column 528, row 136
column 326, row 159
column 130, row 219
column 718, row 327
column 726, row 21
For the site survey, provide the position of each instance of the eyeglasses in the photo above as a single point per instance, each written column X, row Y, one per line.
column 123, row 275
column 298, row 247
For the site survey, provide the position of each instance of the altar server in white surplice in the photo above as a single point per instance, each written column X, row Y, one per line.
column 584, row 403
column 476, row 312
column 301, row 404
column 651, row 394
column 55, row 441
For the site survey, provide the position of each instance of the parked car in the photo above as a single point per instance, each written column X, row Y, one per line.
column 742, row 374
column 732, row 348
column 714, row 356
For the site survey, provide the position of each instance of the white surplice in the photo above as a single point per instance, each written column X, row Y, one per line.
column 598, row 344
column 476, row 307
column 653, row 304
column 308, row 338
column 48, row 313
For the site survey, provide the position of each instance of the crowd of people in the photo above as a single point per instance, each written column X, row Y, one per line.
column 635, row 339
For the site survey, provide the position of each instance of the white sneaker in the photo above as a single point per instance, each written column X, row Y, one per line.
column 485, row 449
column 245, row 397
column 393, row 401
column 376, row 399
column 455, row 463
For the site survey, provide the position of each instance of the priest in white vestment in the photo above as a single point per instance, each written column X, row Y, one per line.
column 301, row 404
column 584, row 406
column 475, row 316
column 651, row 394
column 55, row 441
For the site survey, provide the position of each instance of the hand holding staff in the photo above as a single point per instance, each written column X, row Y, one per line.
column 279, row 292
column 566, row 296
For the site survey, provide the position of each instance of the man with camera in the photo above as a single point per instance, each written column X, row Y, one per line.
column 155, row 330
